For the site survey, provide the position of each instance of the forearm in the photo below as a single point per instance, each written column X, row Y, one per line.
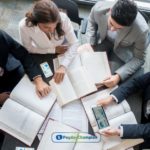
column 129, row 68
column 69, row 55
column 131, row 86
column 136, row 131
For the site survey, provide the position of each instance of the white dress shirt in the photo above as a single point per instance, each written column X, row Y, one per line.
column 36, row 41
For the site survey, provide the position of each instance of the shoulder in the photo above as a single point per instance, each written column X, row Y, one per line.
column 22, row 23
column 102, row 7
column 63, row 16
column 24, row 28
column 3, row 36
column 140, row 25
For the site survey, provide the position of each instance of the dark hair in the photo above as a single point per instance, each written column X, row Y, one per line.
column 124, row 12
column 44, row 11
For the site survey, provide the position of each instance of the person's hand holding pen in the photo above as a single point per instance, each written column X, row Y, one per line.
column 111, row 81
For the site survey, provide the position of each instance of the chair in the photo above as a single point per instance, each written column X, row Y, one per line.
column 72, row 11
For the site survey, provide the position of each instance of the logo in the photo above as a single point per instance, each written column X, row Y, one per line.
column 73, row 137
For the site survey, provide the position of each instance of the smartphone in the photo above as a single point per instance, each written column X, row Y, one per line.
column 100, row 117
column 46, row 69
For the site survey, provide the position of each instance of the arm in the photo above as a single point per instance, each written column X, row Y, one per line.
column 31, row 68
column 72, row 49
column 131, row 86
column 129, row 131
column 26, row 39
column 92, row 28
column 71, row 39
column 138, row 57
column 136, row 131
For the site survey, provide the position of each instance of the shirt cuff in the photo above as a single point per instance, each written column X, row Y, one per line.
column 121, row 131
column 51, row 51
column 114, row 98
column 36, row 77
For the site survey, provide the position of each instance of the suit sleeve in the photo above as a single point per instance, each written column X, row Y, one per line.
column 131, row 86
column 92, row 28
column 136, row 131
column 137, row 61
column 20, row 53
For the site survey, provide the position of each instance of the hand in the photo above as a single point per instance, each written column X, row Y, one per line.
column 61, row 49
column 111, row 132
column 3, row 97
column 59, row 74
column 106, row 101
column 111, row 81
column 42, row 88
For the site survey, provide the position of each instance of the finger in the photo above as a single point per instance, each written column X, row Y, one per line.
column 48, row 89
column 57, row 79
column 38, row 93
column 60, row 78
column 99, row 103
column 108, row 78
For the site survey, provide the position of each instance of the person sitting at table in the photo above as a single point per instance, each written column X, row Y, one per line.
column 44, row 30
column 132, row 131
column 10, row 72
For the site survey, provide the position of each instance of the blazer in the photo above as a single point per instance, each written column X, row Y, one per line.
column 37, row 42
column 130, row 43
column 126, row 89
column 9, row 46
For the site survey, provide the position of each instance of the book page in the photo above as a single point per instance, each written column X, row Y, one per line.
column 20, row 121
column 96, row 65
column 55, row 127
column 81, row 82
column 127, row 118
column 81, row 144
column 25, row 94
column 72, row 114
column 75, row 63
column 64, row 91
column 84, row 48
column 114, row 110
column 55, row 64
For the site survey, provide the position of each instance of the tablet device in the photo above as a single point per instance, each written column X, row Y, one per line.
column 100, row 117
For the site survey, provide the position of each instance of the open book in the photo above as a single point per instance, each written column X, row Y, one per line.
column 75, row 85
column 86, row 70
column 95, row 63
column 24, row 112
column 117, row 114
column 52, row 138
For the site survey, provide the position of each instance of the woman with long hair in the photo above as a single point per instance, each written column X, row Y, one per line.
column 44, row 31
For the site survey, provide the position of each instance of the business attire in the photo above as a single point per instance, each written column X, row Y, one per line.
column 126, row 89
column 12, row 54
column 127, row 44
column 37, row 42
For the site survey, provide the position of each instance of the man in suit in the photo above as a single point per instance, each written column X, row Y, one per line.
column 121, row 31
column 11, row 71
column 121, row 93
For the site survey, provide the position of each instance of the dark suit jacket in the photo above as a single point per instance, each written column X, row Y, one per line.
column 10, row 46
column 138, row 83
